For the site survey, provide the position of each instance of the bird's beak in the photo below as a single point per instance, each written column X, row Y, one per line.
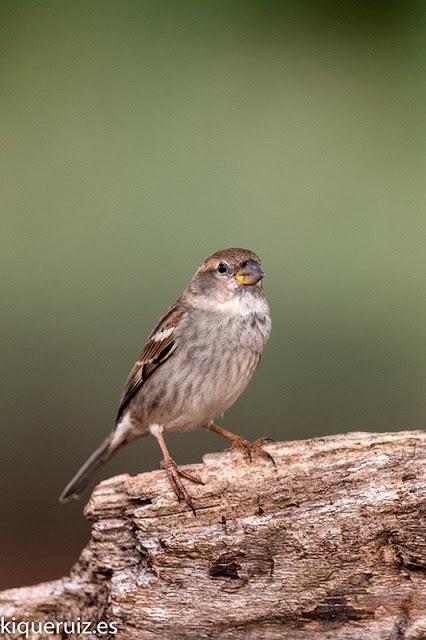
column 249, row 274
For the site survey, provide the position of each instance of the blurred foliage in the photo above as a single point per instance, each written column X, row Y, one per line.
column 137, row 138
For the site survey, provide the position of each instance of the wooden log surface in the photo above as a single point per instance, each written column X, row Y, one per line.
column 330, row 544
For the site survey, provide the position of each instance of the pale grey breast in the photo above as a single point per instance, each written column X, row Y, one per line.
column 216, row 357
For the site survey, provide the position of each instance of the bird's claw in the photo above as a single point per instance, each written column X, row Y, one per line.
column 262, row 441
column 253, row 448
column 174, row 475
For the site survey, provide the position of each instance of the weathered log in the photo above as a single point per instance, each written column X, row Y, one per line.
column 330, row 544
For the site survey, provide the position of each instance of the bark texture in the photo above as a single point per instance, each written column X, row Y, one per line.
column 330, row 544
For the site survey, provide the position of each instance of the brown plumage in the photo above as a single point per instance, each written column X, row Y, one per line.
column 154, row 354
column 197, row 361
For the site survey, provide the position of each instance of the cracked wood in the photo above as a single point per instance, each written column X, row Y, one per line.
column 331, row 544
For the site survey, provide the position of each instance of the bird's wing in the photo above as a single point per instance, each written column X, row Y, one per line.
column 160, row 346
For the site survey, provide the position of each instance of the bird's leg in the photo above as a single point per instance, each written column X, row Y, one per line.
column 249, row 448
column 175, row 474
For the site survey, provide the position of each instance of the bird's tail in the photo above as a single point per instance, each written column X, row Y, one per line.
column 77, row 485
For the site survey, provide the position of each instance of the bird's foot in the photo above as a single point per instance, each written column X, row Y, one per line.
column 174, row 475
column 249, row 449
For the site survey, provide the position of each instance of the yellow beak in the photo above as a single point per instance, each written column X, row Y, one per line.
column 249, row 274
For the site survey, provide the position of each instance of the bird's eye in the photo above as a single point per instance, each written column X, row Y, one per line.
column 222, row 267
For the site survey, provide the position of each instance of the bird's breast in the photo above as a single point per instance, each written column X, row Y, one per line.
column 215, row 358
column 219, row 359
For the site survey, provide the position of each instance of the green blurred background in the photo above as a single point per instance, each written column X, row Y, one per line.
column 139, row 137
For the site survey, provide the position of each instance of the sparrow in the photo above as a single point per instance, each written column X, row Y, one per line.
column 197, row 361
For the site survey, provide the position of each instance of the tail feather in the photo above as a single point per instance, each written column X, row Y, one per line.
column 77, row 485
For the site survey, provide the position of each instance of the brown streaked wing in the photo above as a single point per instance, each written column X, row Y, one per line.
column 155, row 352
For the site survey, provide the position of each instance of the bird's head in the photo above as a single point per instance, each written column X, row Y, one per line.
column 228, row 275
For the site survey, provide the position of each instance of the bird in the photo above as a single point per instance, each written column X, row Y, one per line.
column 197, row 361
